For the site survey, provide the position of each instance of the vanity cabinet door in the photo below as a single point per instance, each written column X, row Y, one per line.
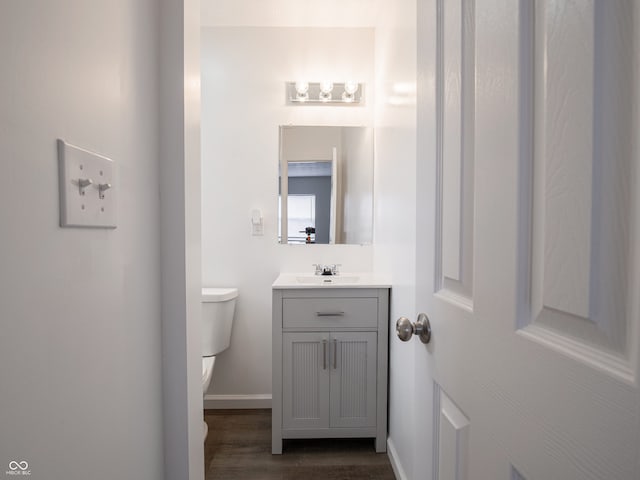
column 305, row 380
column 353, row 379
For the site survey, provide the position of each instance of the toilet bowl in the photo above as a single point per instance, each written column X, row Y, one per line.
column 207, row 373
column 218, row 308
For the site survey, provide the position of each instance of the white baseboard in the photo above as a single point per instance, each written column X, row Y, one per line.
column 395, row 461
column 217, row 402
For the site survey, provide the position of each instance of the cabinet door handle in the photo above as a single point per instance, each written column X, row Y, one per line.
column 330, row 314
column 324, row 354
column 335, row 354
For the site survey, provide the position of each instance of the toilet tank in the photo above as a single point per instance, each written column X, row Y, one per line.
column 218, row 307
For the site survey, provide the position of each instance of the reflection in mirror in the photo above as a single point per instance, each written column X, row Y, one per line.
column 326, row 177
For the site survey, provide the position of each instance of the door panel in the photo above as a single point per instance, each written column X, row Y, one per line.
column 305, row 360
column 583, row 166
column 353, row 379
column 451, row 432
column 455, row 160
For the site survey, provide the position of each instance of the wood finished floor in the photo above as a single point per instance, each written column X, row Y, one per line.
column 238, row 447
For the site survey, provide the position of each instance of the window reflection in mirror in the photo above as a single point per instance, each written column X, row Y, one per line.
column 302, row 217
column 326, row 177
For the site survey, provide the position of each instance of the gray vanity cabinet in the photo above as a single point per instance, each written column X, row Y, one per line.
column 329, row 380
column 330, row 364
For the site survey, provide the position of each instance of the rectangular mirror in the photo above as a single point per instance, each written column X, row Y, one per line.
column 326, row 185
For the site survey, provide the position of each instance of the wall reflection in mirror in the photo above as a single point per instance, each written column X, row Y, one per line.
column 326, row 185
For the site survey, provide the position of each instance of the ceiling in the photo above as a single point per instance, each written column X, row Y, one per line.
column 290, row 13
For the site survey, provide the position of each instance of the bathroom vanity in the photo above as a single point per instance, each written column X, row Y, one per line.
column 330, row 348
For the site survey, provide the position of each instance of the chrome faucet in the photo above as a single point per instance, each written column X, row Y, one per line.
column 327, row 269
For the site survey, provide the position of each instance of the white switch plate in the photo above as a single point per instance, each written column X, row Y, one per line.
column 257, row 229
column 84, row 207
column 257, row 226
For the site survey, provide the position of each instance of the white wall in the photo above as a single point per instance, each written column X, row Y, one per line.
column 244, row 70
column 79, row 308
column 395, row 213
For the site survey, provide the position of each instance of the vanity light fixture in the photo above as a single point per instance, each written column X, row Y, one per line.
column 325, row 93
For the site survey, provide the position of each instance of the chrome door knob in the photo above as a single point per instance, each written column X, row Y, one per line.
column 422, row 328
column 404, row 329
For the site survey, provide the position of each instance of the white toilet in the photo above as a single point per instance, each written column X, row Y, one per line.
column 218, row 307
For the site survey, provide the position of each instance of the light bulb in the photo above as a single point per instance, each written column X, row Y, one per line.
column 325, row 91
column 326, row 87
column 302, row 87
column 350, row 87
column 302, row 91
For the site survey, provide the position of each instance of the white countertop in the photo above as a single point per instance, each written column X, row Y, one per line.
column 343, row 280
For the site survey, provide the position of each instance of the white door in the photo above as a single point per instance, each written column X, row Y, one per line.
column 529, row 175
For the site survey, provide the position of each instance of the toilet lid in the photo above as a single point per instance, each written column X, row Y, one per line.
column 210, row 294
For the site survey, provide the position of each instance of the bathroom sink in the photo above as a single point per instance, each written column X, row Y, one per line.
column 326, row 279
column 344, row 280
